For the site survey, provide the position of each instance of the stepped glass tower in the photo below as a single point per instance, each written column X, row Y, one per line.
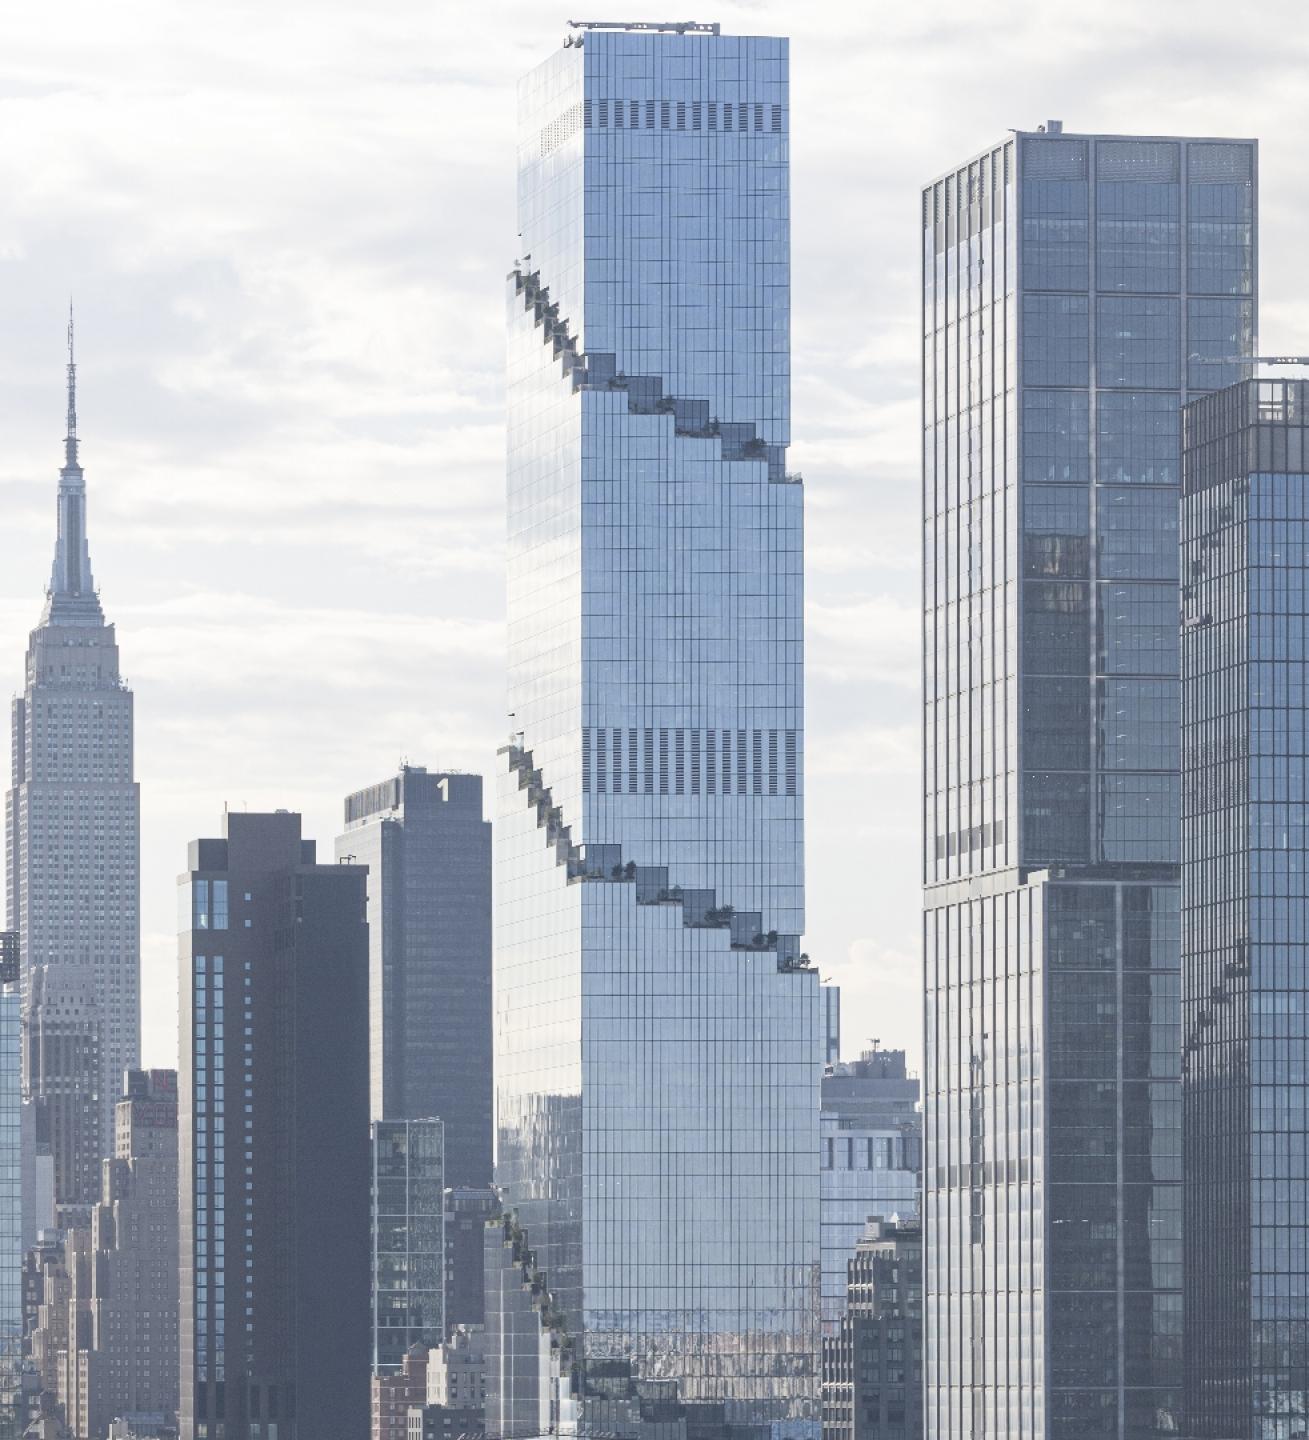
column 658, row 1032
column 1077, row 290
column 73, row 839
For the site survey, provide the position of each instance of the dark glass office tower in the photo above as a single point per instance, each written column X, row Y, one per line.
column 428, row 852
column 273, row 1139
column 1245, row 903
column 1074, row 290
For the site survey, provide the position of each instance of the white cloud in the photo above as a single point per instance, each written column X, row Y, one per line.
column 287, row 228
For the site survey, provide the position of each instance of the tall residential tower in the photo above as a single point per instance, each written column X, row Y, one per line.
column 73, row 846
column 1077, row 289
column 273, row 1138
column 658, row 1033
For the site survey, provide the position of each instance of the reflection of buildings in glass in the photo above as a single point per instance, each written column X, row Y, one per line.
column 428, row 853
column 870, row 1153
column 408, row 1240
column 1245, row 987
column 659, row 1038
column 1075, row 288
column 273, row 1136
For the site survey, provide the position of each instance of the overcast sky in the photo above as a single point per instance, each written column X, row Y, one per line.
column 287, row 228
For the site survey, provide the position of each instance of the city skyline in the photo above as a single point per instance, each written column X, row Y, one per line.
column 236, row 589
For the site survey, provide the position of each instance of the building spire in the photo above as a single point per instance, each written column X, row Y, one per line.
column 71, row 599
column 70, row 438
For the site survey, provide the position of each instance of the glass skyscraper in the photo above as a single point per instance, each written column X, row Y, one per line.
column 1076, row 291
column 658, row 1032
column 1245, row 891
column 408, row 1240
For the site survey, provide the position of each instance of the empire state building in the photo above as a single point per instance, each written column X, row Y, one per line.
column 72, row 822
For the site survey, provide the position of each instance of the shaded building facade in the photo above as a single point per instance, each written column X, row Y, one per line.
column 1075, row 289
column 72, row 819
column 467, row 1213
column 273, row 1128
column 428, row 852
column 130, row 1355
column 873, row 1359
column 63, row 1049
column 658, row 1034
column 1245, row 897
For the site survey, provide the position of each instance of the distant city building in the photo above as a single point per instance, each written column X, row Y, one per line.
column 456, row 1371
column 14, row 1164
column 870, row 1157
column 130, row 1360
column 274, row 1059
column 398, row 1392
column 63, row 1323
column 64, row 1040
column 467, row 1212
column 446, row 1422
column 408, row 1241
column 428, row 852
column 659, row 1031
column 873, row 1362
column 1078, row 289
column 73, row 851
column 530, row 1351
column 1245, row 971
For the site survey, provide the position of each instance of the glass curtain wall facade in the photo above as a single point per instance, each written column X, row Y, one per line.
column 1245, row 897
column 1077, row 289
column 658, row 1033
column 408, row 1240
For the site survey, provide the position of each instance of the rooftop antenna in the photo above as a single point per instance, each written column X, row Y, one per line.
column 70, row 437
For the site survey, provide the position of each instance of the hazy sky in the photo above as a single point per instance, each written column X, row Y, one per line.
column 287, row 229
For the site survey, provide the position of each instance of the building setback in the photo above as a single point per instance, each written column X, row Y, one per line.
column 73, row 840
column 428, row 852
column 1077, row 290
column 1245, row 894
column 659, row 1035
column 273, row 1127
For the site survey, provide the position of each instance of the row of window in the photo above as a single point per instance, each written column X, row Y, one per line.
column 663, row 760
